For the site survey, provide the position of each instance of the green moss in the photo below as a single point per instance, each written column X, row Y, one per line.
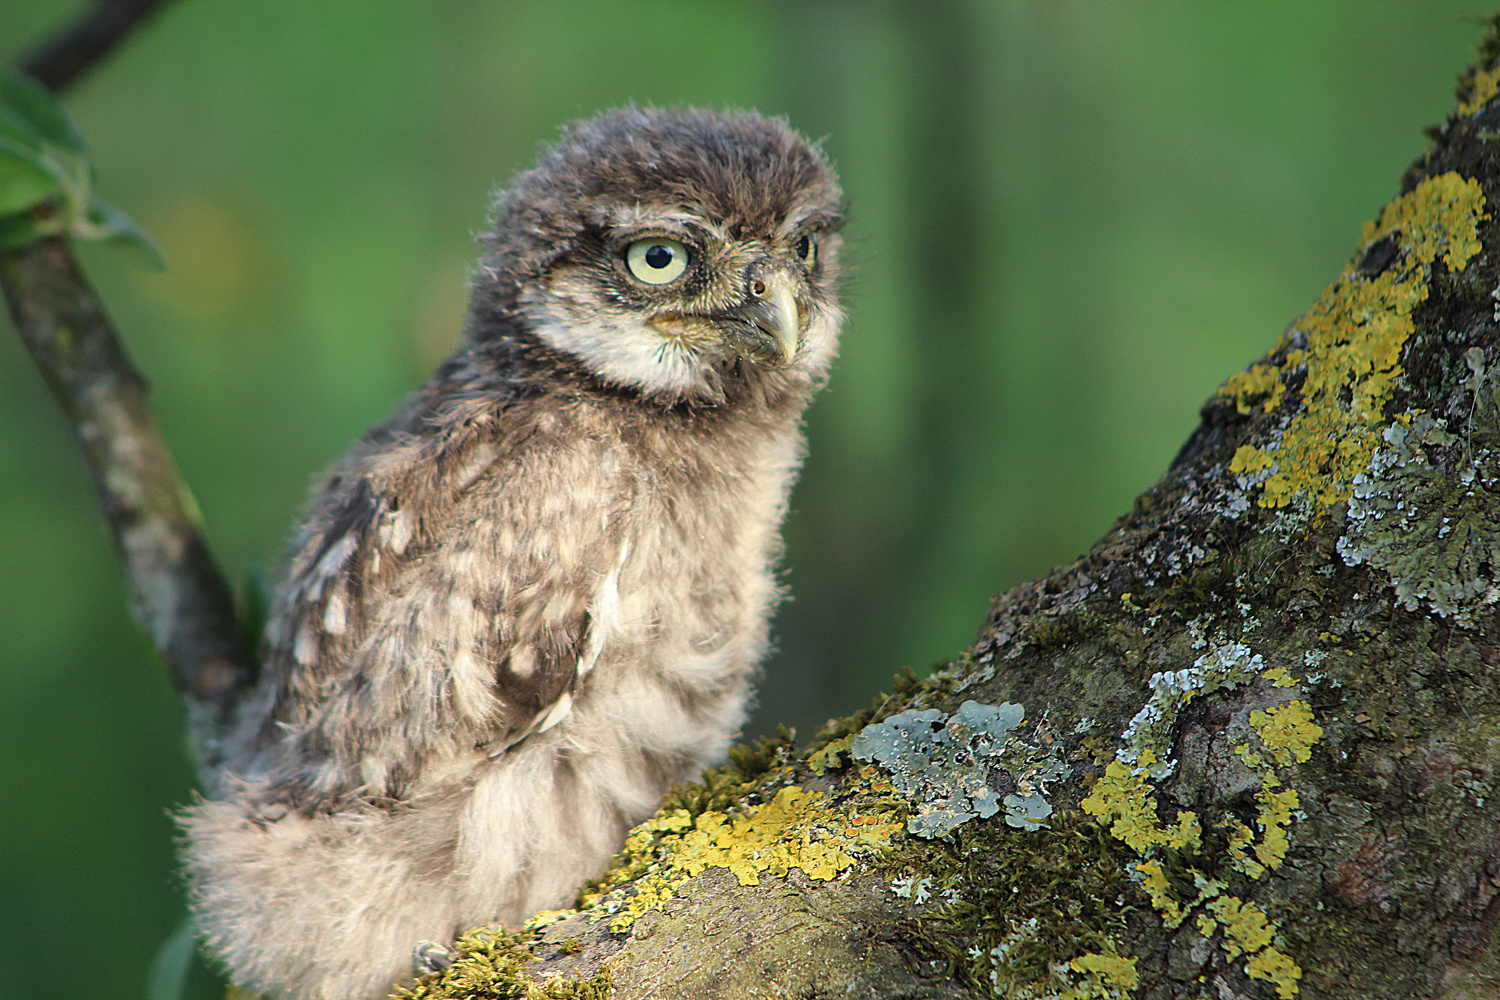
column 1348, row 347
column 721, row 788
column 1026, row 904
column 492, row 963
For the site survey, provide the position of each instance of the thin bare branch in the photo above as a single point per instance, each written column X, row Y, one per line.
column 66, row 56
column 176, row 592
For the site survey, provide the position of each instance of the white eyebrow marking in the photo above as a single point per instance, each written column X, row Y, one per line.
column 638, row 216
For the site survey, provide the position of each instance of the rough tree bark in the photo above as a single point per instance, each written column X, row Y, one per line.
column 1243, row 748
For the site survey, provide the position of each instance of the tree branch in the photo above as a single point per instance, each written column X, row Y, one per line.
column 65, row 57
column 177, row 593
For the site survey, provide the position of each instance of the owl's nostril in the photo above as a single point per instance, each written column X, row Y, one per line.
column 759, row 287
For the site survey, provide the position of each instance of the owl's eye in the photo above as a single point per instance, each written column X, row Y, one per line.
column 656, row 261
column 806, row 249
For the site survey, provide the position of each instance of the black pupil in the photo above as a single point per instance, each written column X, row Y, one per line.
column 659, row 257
column 804, row 247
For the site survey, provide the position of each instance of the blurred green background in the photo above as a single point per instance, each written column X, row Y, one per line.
column 1070, row 221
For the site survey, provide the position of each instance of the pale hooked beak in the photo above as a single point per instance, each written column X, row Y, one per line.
column 767, row 326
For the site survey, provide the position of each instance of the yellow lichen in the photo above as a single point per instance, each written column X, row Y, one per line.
column 1354, row 337
column 1486, row 84
column 1108, row 977
column 489, row 962
column 1276, row 809
column 1261, row 380
column 1248, row 460
column 796, row 829
column 1276, row 968
column 1242, row 837
column 1154, row 881
column 1247, row 931
column 1289, row 731
column 1279, row 677
column 1123, row 797
column 827, row 756
column 546, row 918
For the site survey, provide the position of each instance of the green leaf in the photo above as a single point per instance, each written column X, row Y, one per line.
column 23, row 181
column 41, row 156
column 45, row 175
column 107, row 223
column 34, row 104
column 21, row 229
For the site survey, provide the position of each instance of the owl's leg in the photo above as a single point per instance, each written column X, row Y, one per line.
column 429, row 957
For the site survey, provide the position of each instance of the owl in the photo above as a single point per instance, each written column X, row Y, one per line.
column 534, row 598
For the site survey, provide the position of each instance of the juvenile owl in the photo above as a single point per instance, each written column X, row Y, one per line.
column 533, row 599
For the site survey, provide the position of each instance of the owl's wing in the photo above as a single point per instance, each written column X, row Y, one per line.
column 450, row 590
column 541, row 665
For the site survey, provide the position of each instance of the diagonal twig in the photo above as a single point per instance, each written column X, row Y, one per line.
column 177, row 593
column 63, row 58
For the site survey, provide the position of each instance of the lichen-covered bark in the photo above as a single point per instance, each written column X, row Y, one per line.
column 1245, row 747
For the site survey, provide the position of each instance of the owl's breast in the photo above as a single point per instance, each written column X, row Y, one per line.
column 698, row 538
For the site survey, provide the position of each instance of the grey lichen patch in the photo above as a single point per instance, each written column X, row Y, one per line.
column 963, row 766
column 1427, row 510
column 1150, row 730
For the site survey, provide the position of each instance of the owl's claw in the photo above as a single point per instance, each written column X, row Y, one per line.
column 429, row 957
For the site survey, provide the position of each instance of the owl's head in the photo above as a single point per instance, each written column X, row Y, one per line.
column 669, row 251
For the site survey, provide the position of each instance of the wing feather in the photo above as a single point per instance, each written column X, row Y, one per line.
column 445, row 592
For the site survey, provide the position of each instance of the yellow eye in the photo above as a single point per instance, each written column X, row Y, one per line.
column 656, row 261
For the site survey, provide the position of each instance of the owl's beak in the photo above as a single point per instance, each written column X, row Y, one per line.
column 767, row 326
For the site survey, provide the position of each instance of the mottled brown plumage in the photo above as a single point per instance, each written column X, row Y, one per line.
column 535, row 597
